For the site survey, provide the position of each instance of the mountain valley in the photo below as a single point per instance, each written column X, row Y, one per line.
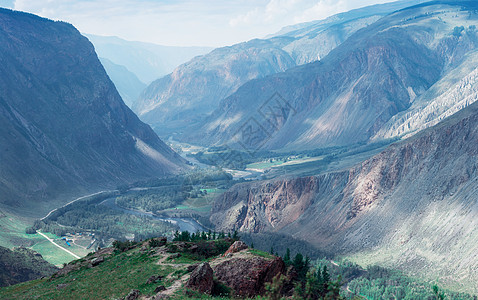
column 334, row 159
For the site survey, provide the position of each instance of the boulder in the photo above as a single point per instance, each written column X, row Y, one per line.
column 159, row 288
column 97, row 261
column 191, row 268
column 248, row 276
column 134, row 294
column 154, row 279
column 201, row 279
column 236, row 247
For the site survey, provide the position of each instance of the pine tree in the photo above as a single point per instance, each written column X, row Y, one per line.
column 287, row 257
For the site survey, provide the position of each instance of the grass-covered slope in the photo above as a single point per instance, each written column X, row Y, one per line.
column 153, row 268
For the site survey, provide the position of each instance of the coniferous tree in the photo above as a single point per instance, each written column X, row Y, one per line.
column 287, row 257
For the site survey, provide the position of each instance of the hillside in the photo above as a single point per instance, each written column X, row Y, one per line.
column 155, row 269
column 411, row 207
column 177, row 102
column 22, row 264
column 64, row 129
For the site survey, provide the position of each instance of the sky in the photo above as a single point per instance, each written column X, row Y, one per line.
column 185, row 22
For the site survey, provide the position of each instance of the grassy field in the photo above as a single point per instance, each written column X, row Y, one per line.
column 12, row 231
column 12, row 234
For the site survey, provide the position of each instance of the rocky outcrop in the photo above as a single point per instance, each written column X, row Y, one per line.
column 272, row 205
column 90, row 261
column 201, row 279
column 97, row 261
column 64, row 129
column 247, row 276
column 133, row 295
column 236, row 247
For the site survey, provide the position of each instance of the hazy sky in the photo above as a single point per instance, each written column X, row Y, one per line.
column 185, row 22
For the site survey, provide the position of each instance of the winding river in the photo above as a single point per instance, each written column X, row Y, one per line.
column 184, row 224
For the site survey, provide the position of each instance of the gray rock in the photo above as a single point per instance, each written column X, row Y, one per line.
column 134, row 294
column 160, row 288
column 154, row 279
column 201, row 279
column 97, row 261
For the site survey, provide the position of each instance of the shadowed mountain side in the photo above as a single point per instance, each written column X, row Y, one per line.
column 64, row 128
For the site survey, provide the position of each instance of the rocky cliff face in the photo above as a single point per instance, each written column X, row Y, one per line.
column 64, row 129
column 413, row 206
column 350, row 94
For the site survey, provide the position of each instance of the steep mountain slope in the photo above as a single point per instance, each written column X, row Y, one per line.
column 22, row 264
column 147, row 61
column 456, row 90
column 349, row 95
column 128, row 85
column 178, row 101
column 64, row 129
column 412, row 207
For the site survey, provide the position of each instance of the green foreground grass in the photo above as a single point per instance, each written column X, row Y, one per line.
column 114, row 279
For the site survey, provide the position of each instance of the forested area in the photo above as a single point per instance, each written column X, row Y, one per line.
column 103, row 214
column 105, row 223
column 375, row 282
column 154, row 200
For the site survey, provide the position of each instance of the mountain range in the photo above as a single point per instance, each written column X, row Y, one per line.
column 352, row 94
column 146, row 60
column 178, row 102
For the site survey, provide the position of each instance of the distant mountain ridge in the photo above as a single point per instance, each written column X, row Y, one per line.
column 64, row 130
column 126, row 82
column 348, row 96
column 146, row 60
column 179, row 101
